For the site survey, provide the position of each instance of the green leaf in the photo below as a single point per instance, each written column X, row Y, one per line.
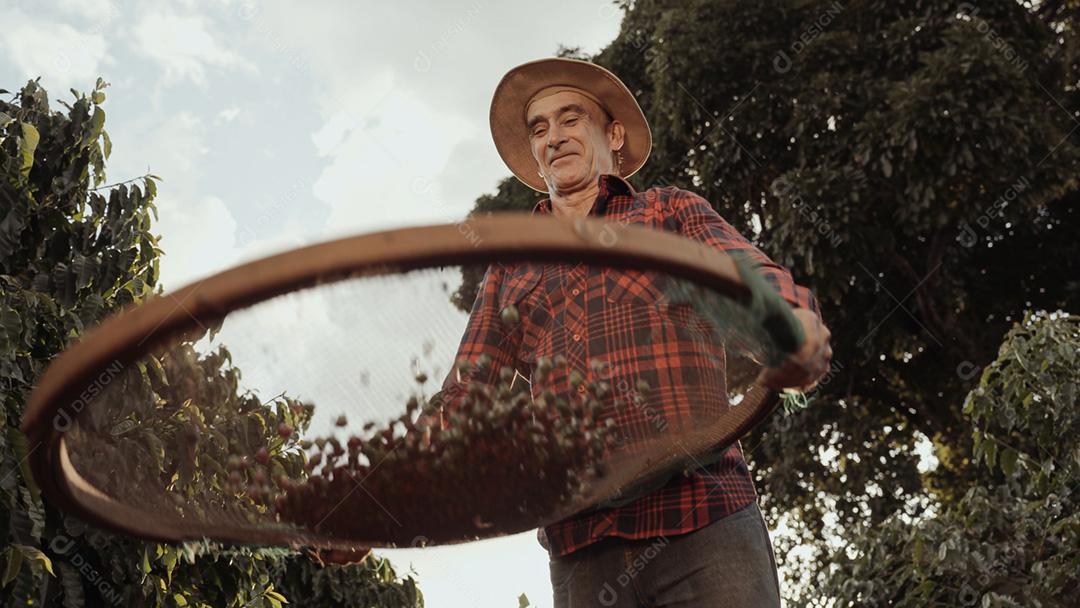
column 10, row 323
column 1009, row 457
column 5, row 120
column 170, row 563
column 159, row 371
column 33, row 553
column 97, row 123
column 27, row 145
column 14, row 559
column 523, row 601
column 11, row 228
column 189, row 552
column 21, row 449
column 85, row 269
column 64, row 285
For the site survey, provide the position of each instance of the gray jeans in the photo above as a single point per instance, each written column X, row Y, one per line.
column 728, row 563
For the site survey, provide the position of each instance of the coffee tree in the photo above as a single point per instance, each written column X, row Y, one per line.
column 72, row 251
column 1013, row 538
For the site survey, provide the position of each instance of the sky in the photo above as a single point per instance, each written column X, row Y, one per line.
column 275, row 126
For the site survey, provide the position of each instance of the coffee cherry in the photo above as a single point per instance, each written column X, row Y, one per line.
column 543, row 365
column 603, row 389
column 510, row 315
column 576, row 378
column 545, row 440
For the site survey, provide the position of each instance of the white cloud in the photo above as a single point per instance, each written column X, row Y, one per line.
column 63, row 56
column 473, row 168
column 405, row 128
column 453, row 57
column 198, row 230
column 382, row 161
column 184, row 47
column 198, row 237
column 228, row 114
column 99, row 13
column 172, row 146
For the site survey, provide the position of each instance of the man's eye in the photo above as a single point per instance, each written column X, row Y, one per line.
column 571, row 121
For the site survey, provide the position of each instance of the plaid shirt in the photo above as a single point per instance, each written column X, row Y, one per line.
column 587, row 313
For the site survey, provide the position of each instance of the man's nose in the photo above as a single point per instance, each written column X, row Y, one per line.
column 556, row 138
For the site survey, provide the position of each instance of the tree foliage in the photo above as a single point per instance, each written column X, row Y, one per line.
column 73, row 251
column 1013, row 538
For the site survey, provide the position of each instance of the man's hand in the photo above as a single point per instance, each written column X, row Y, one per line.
column 803, row 369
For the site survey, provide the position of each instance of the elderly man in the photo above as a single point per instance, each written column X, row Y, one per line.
column 573, row 130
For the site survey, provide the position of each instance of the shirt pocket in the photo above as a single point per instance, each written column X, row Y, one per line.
column 519, row 283
column 631, row 286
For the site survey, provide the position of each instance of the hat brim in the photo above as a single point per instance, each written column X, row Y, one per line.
column 518, row 86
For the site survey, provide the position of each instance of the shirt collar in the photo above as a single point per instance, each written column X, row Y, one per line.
column 610, row 185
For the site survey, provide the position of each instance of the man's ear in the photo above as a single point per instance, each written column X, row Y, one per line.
column 616, row 135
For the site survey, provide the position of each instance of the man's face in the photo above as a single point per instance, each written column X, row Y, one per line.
column 569, row 140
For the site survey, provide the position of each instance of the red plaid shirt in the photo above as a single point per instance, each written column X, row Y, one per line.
column 577, row 311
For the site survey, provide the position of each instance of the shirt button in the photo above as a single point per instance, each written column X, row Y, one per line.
column 576, row 291
column 577, row 337
column 581, row 389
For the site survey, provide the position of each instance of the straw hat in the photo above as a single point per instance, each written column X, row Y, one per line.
column 518, row 87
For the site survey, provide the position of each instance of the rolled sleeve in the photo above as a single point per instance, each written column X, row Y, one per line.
column 485, row 334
